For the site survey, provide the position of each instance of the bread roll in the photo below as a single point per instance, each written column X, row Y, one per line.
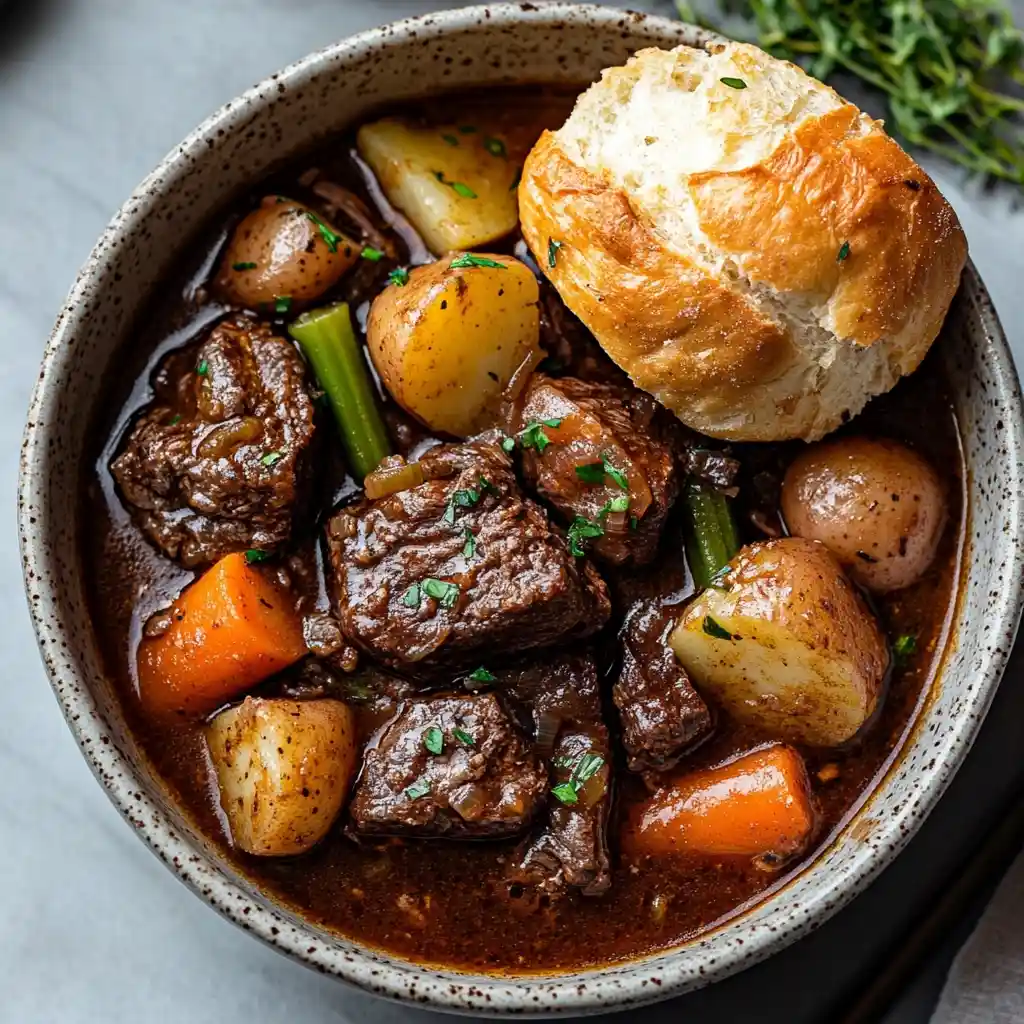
column 749, row 247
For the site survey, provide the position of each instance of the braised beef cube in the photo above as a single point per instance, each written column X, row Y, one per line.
column 220, row 461
column 588, row 450
column 569, row 850
column 662, row 715
column 463, row 564
column 449, row 766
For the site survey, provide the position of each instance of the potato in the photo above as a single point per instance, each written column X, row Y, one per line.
column 878, row 506
column 447, row 343
column 456, row 187
column 284, row 768
column 283, row 250
column 786, row 643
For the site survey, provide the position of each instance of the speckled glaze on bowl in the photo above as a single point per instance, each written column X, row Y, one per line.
column 274, row 121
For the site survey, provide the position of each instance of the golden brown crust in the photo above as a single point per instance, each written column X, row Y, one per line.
column 834, row 260
column 657, row 314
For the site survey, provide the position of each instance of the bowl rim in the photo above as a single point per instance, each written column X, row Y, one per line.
column 573, row 992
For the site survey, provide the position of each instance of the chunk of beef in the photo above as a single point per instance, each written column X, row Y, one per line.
column 432, row 576
column 220, row 461
column 604, row 451
column 570, row 847
column 449, row 766
column 662, row 715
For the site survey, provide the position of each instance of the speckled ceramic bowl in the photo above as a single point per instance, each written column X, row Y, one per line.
column 272, row 122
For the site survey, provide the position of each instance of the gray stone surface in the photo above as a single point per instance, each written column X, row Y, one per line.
column 92, row 93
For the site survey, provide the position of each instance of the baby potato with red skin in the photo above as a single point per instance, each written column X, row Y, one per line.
column 876, row 504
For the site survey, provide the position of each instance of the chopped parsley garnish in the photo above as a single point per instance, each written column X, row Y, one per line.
column 243, row 266
column 411, row 598
column 496, row 148
column 712, row 628
column 515, row 181
column 469, row 259
column 533, row 435
column 566, row 792
column 399, row 276
column 458, row 187
column 433, row 740
column 634, row 523
column 450, row 139
column 373, row 255
column 904, row 648
column 282, row 303
column 464, row 737
column 553, row 248
column 595, row 472
column 582, row 529
column 331, row 238
column 465, row 497
column 466, row 129
column 254, row 555
column 203, row 368
column 508, row 444
column 620, row 503
column 469, row 548
column 271, row 457
column 734, row 83
column 446, row 594
column 174, row 420
column 421, row 787
column 844, row 251
column 585, row 768
column 482, row 675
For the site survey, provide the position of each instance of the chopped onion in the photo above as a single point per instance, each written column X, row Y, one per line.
column 387, row 479
column 226, row 436
column 468, row 802
column 548, row 724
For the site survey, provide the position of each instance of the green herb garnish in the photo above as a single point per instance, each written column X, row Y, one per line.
column 734, row 83
column 411, row 598
column 433, row 740
column 465, row 497
column 634, row 523
column 421, row 787
column 270, row 458
column 203, row 368
column 553, row 248
column 469, row 259
column 620, row 503
column 466, row 129
column 464, row 737
column 617, row 475
column 398, row 276
column 482, row 675
column 450, row 139
column 580, row 530
column 533, row 436
column 844, row 251
column 243, row 266
column 282, row 304
column 717, row 582
column 904, row 647
column 446, row 594
column 331, row 238
column 496, row 148
column 566, row 792
column 174, row 420
column 591, row 473
column 508, row 444
column 373, row 255
column 469, row 548
column 712, row 628
column 254, row 555
column 585, row 768
column 458, row 187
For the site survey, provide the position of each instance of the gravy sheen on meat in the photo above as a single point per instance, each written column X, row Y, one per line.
column 477, row 638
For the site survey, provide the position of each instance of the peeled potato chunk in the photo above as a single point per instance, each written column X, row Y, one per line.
column 448, row 342
column 283, row 253
column 284, row 768
column 877, row 505
column 786, row 643
column 456, row 187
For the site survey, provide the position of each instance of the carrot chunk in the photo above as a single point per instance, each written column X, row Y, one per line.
column 759, row 804
column 229, row 630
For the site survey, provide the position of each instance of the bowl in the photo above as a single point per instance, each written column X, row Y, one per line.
column 276, row 120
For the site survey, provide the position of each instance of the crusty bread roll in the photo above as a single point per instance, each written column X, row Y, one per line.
column 750, row 248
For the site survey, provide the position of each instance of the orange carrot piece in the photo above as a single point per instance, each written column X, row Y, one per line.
column 758, row 804
column 229, row 630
